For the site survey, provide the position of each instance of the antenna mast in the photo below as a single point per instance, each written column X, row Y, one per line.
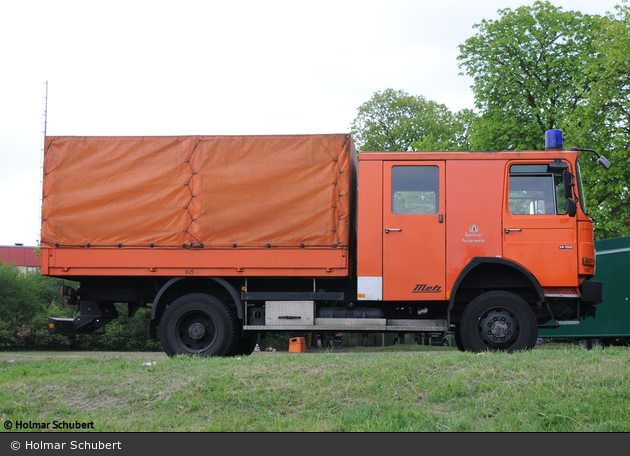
column 45, row 108
column 41, row 157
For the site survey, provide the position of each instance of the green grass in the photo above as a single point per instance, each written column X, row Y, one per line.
column 401, row 389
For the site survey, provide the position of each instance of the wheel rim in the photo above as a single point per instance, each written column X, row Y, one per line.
column 196, row 331
column 498, row 328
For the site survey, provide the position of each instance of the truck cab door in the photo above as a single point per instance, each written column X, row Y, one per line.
column 414, row 250
column 538, row 233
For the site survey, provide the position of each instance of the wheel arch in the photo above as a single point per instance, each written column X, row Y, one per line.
column 179, row 286
column 485, row 274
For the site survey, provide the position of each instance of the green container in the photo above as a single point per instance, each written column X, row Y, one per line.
column 612, row 317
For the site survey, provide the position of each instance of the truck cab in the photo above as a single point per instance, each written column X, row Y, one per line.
column 499, row 232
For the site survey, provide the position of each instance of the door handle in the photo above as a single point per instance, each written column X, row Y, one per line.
column 507, row 230
column 387, row 230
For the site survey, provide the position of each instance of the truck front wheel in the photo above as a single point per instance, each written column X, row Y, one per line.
column 198, row 324
column 498, row 321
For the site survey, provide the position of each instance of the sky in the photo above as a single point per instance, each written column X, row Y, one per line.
column 87, row 68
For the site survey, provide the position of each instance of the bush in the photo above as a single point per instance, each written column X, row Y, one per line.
column 28, row 299
column 122, row 334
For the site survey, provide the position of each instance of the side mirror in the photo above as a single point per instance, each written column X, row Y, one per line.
column 571, row 207
column 567, row 181
column 603, row 161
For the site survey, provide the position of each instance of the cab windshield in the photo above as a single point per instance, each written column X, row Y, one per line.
column 578, row 178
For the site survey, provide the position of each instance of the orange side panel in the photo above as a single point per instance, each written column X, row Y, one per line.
column 474, row 203
column 370, row 219
column 65, row 262
column 586, row 247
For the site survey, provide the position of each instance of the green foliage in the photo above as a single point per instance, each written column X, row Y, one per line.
column 22, row 296
column 26, row 302
column 122, row 334
column 396, row 121
column 602, row 123
column 538, row 68
column 528, row 70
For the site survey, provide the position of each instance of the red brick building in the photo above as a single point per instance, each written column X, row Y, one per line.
column 22, row 257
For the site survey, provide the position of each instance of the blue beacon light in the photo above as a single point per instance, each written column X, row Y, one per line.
column 553, row 140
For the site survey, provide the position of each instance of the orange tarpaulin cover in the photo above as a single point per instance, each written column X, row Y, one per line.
column 219, row 191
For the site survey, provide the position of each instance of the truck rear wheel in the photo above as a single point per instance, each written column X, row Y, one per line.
column 246, row 344
column 198, row 324
column 498, row 321
column 458, row 338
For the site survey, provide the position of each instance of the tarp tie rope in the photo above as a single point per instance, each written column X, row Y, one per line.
column 188, row 185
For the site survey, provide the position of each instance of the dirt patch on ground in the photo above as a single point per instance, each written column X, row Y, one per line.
column 8, row 356
column 41, row 355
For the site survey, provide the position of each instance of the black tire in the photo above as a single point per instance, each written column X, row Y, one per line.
column 498, row 321
column 246, row 344
column 198, row 324
column 458, row 339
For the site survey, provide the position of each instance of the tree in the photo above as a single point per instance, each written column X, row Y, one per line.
column 539, row 67
column 602, row 122
column 528, row 70
column 393, row 120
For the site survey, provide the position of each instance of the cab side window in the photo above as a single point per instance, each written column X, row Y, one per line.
column 535, row 191
column 415, row 189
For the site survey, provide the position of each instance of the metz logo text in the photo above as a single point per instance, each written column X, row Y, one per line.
column 424, row 288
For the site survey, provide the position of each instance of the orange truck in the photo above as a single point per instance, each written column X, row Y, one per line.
column 228, row 237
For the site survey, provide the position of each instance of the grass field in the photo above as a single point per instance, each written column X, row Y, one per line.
column 404, row 388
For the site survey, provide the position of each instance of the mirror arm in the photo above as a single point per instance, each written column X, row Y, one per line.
column 603, row 161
